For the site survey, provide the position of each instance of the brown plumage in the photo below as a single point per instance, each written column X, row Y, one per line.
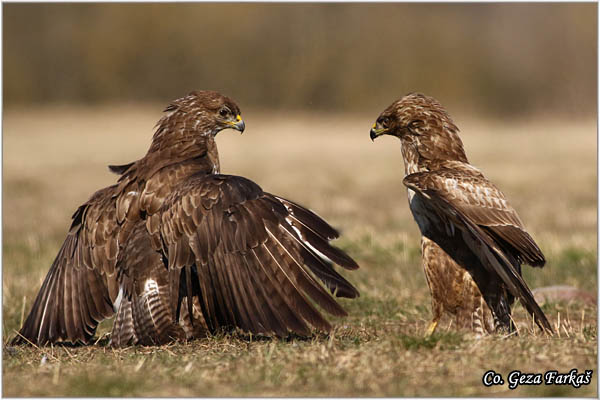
column 178, row 250
column 473, row 241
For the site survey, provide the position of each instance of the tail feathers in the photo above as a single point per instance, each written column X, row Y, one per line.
column 151, row 316
column 199, row 327
column 145, row 319
column 519, row 289
column 123, row 332
column 71, row 303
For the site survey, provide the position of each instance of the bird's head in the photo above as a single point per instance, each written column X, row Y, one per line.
column 205, row 112
column 425, row 129
column 413, row 115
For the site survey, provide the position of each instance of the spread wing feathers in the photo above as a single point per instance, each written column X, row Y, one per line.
column 479, row 200
column 78, row 291
column 314, row 234
column 252, row 268
column 479, row 241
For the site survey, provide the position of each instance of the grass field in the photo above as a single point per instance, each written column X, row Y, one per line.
column 53, row 159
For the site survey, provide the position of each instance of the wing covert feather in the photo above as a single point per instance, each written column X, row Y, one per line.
column 484, row 204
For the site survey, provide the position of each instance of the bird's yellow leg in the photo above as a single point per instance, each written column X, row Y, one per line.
column 432, row 327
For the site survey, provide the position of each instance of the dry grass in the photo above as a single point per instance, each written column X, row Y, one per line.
column 55, row 158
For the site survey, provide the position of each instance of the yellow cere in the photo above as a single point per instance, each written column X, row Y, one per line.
column 239, row 117
column 374, row 125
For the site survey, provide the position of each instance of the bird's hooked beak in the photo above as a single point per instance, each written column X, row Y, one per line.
column 377, row 131
column 239, row 124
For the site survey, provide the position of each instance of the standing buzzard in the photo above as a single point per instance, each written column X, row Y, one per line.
column 178, row 250
column 473, row 242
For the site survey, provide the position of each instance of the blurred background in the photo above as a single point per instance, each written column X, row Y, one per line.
column 84, row 85
column 495, row 59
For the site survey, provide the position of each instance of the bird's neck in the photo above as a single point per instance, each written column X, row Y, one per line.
column 174, row 145
column 411, row 157
column 150, row 180
column 182, row 160
column 174, row 156
column 428, row 153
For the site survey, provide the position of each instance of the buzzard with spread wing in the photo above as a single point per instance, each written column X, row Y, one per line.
column 177, row 249
column 473, row 242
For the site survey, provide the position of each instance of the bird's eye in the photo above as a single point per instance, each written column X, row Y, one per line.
column 383, row 121
column 223, row 112
column 415, row 123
